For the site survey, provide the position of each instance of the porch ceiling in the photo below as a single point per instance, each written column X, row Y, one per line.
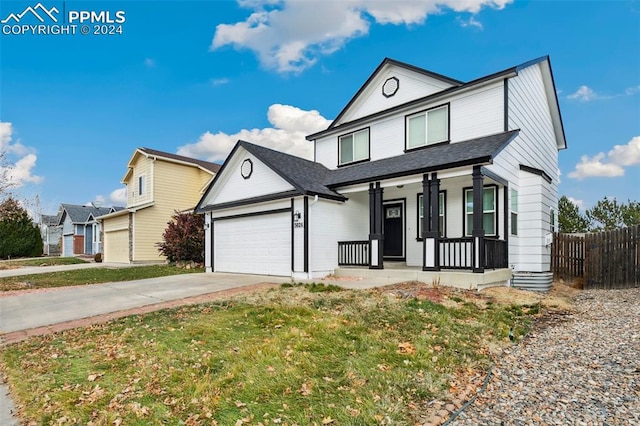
column 430, row 159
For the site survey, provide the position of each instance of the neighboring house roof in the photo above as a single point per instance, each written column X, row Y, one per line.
column 309, row 178
column 550, row 89
column 49, row 220
column 81, row 214
column 424, row 160
column 207, row 166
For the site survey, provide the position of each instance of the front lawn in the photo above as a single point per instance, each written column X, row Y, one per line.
column 288, row 356
column 90, row 276
column 42, row 261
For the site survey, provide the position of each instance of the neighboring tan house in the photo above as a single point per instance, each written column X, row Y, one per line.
column 51, row 234
column 449, row 181
column 158, row 184
column 80, row 230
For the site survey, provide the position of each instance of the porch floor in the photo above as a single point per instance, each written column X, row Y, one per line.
column 452, row 278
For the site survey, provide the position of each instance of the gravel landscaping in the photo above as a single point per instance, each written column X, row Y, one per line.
column 581, row 368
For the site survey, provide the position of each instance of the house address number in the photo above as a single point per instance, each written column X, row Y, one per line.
column 298, row 224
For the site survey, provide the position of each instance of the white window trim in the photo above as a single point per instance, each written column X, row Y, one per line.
column 353, row 134
column 142, row 185
column 468, row 215
column 426, row 124
column 442, row 214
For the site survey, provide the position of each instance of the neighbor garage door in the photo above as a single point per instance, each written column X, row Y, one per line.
column 253, row 245
column 67, row 246
column 116, row 246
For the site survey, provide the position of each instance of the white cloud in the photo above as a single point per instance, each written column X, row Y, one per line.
column 290, row 35
column 587, row 94
column 632, row 90
column 219, row 81
column 19, row 160
column 471, row 22
column 611, row 164
column 577, row 203
column 20, row 172
column 594, row 167
column 290, row 127
column 584, row 94
column 149, row 63
column 119, row 197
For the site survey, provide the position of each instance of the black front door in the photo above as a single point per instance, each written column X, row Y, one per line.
column 393, row 230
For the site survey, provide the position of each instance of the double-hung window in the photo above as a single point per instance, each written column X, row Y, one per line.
column 354, row 147
column 489, row 211
column 427, row 127
column 441, row 213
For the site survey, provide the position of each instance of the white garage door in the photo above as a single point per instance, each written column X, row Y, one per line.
column 67, row 246
column 116, row 246
column 253, row 245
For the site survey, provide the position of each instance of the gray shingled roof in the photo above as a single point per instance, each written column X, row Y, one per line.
column 49, row 220
column 80, row 214
column 433, row 158
column 304, row 175
column 311, row 178
column 212, row 167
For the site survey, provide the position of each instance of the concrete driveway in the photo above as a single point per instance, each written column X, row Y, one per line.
column 26, row 311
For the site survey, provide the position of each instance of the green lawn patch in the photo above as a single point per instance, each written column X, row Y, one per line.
column 287, row 356
column 90, row 276
column 44, row 261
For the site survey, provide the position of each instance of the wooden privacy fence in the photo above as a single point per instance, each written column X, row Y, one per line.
column 608, row 259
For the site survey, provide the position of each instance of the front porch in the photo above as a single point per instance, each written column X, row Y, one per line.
column 448, row 223
column 451, row 278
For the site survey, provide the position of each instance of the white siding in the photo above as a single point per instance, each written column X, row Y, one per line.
column 535, row 147
column 331, row 222
column 298, row 237
column 477, row 113
column 473, row 114
column 412, row 85
column 231, row 186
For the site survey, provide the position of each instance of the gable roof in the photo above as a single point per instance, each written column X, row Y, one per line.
column 385, row 62
column 550, row 90
column 305, row 176
column 309, row 178
column 81, row 214
column 49, row 220
column 207, row 166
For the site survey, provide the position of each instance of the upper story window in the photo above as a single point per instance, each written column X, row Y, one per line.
column 428, row 127
column 353, row 147
column 142, row 187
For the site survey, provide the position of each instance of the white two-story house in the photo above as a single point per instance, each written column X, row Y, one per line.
column 452, row 182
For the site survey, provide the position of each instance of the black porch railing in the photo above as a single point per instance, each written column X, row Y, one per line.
column 455, row 253
column 495, row 254
column 353, row 253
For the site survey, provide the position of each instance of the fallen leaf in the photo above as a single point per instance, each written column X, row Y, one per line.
column 328, row 420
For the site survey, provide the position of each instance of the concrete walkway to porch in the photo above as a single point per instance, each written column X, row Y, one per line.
column 399, row 271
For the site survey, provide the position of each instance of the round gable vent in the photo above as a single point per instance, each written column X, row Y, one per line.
column 246, row 168
column 390, row 87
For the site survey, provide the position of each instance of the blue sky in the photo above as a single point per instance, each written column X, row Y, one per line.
column 193, row 77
